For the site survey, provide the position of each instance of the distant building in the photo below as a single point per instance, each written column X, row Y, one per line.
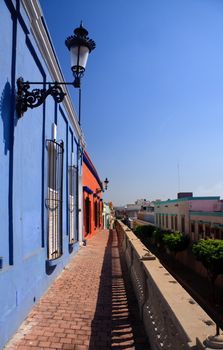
column 107, row 213
column 200, row 217
column 131, row 210
column 142, row 202
column 119, row 212
column 147, row 214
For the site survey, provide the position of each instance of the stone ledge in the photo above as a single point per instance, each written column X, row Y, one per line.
column 186, row 324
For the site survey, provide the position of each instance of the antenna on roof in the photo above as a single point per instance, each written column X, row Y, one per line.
column 178, row 175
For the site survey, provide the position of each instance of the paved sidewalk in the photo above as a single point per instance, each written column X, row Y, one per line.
column 90, row 306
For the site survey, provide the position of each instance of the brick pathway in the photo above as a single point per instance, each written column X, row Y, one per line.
column 90, row 306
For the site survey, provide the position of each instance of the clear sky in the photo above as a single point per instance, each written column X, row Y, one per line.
column 152, row 110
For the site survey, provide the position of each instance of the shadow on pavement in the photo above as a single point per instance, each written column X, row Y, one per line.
column 116, row 323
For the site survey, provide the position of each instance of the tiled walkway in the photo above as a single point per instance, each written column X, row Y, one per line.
column 90, row 306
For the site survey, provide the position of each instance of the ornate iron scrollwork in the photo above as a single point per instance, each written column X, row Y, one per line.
column 32, row 99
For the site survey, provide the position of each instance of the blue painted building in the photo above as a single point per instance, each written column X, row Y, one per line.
column 40, row 169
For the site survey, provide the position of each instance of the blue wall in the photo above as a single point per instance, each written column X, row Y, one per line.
column 23, row 180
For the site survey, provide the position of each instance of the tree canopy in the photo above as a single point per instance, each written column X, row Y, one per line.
column 146, row 230
column 176, row 241
column 210, row 253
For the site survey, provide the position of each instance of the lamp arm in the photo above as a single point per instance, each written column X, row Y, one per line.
column 31, row 99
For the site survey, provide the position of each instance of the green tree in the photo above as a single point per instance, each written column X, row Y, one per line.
column 145, row 230
column 176, row 241
column 144, row 233
column 210, row 253
column 158, row 236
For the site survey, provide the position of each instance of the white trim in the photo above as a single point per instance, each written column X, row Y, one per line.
column 46, row 48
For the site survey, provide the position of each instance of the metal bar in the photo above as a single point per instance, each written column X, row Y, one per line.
column 61, row 197
column 55, row 174
column 46, row 83
column 79, row 114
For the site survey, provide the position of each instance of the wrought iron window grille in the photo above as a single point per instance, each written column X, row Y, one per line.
column 72, row 204
column 54, row 200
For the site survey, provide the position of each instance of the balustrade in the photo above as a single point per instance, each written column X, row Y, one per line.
column 172, row 319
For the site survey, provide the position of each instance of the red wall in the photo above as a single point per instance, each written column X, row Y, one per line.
column 89, row 180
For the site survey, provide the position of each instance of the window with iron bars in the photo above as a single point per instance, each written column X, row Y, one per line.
column 95, row 214
column 73, row 198
column 54, row 201
column 98, row 214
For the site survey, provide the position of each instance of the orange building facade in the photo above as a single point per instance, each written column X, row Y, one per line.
column 92, row 198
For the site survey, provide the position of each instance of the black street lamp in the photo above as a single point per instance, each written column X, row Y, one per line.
column 80, row 46
column 106, row 183
column 98, row 190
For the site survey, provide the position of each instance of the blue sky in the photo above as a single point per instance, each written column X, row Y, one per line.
column 152, row 92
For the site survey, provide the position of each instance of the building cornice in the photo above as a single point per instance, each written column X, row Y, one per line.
column 42, row 37
column 92, row 169
column 188, row 199
column 206, row 213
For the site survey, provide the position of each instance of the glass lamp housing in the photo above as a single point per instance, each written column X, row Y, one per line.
column 79, row 57
column 79, row 45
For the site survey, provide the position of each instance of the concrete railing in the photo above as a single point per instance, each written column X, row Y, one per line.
column 172, row 319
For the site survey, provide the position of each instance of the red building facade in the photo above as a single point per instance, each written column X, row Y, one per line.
column 92, row 198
